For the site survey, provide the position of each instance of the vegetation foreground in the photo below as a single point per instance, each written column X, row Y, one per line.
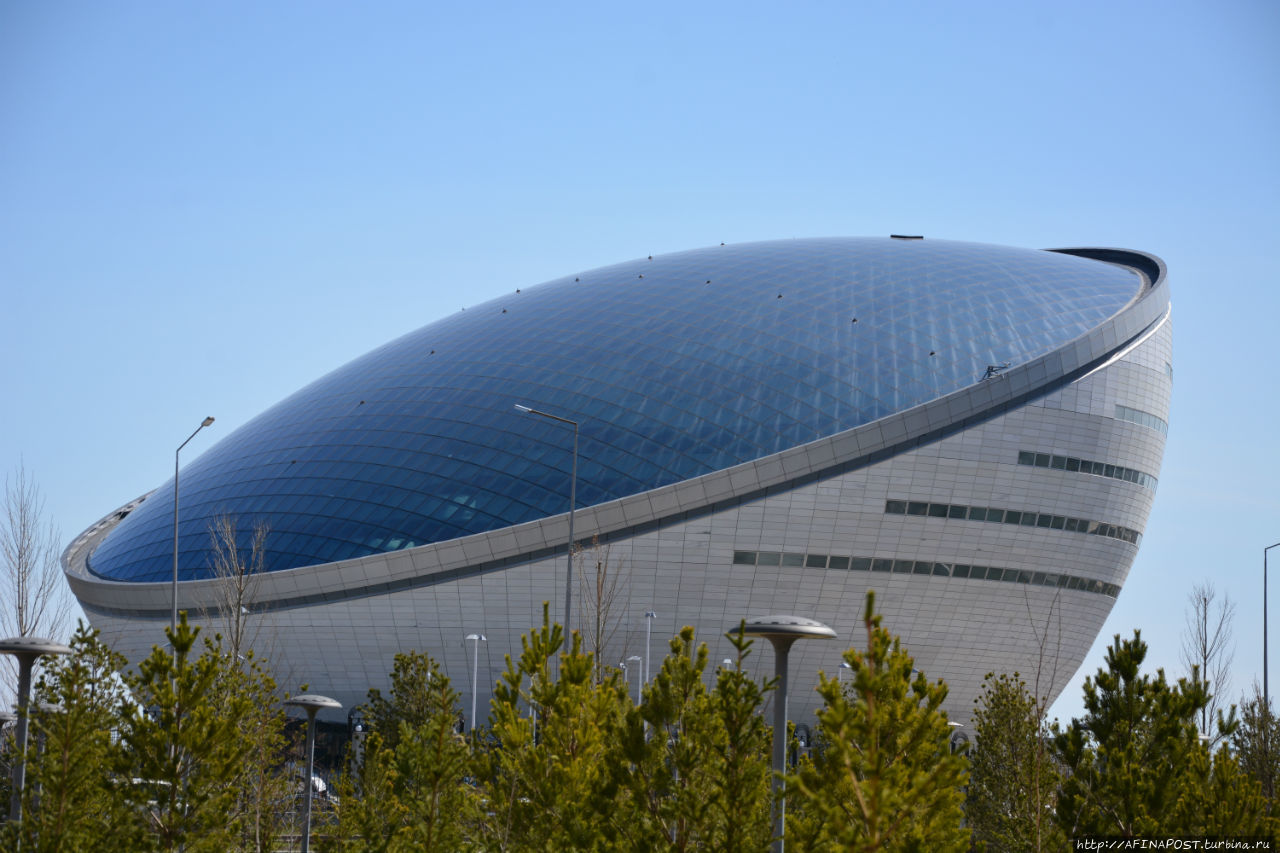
column 189, row 751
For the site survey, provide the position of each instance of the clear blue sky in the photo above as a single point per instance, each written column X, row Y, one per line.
column 204, row 207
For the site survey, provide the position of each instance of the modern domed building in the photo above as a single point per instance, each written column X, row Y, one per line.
column 972, row 431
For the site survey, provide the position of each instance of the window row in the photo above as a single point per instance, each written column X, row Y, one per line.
column 1142, row 418
column 1084, row 466
column 922, row 567
column 1013, row 516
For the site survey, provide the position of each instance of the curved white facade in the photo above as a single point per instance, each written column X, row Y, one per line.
column 900, row 505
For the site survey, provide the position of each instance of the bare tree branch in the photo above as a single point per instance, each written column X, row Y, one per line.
column 35, row 595
column 1042, row 787
column 1208, row 649
column 605, row 594
column 239, row 574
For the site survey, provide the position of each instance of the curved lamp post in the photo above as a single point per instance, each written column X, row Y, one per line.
column 173, row 623
column 781, row 632
column 475, row 674
column 573, row 501
column 27, row 650
column 311, row 703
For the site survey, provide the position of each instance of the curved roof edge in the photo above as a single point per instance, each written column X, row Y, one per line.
column 439, row 562
column 1144, row 262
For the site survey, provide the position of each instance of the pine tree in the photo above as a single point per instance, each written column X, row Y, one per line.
column 415, row 697
column 692, row 764
column 1256, row 744
column 1013, row 778
column 549, row 790
column 1135, row 764
column 71, row 801
column 262, row 781
column 180, row 746
column 884, row 777
column 743, row 792
column 369, row 815
column 411, row 791
column 1220, row 799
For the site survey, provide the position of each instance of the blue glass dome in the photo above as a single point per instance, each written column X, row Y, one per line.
column 676, row 366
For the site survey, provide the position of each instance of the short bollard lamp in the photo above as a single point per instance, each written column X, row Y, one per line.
column 311, row 703
column 781, row 632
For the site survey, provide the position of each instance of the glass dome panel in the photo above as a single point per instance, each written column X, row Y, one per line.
column 675, row 366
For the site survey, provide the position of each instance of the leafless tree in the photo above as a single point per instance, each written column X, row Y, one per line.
column 1207, row 649
column 1042, row 678
column 247, row 637
column 605, row 595
column 239, row 574
column 1044, row 780
column 35, row 596
column 243, row 625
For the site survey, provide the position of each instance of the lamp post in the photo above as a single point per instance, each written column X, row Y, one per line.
column 957, row 738
column 173, row 623
column 355, row 731
column 475, row 674
column 639, row 684
column 781, row 632
column 648, row 638
column 840, row 674
column 573, row 501
column 27, row 650
column 47, row 709
column 1266, row 695
column 311, row 703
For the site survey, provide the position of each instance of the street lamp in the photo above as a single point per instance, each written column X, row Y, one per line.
column 648, row 638
column 311, row 703
column 573, row 501
column 1266, row 695
column 781, row 632
column 957, row 739
column 475, row 674
column 27, row 650
column 844, row 667
column 639, row 684
column 173, row 623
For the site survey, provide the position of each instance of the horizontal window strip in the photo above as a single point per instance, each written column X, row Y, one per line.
column 885, row 565
column 1013, row 516
column 1142, row 418
column 1085, row 466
